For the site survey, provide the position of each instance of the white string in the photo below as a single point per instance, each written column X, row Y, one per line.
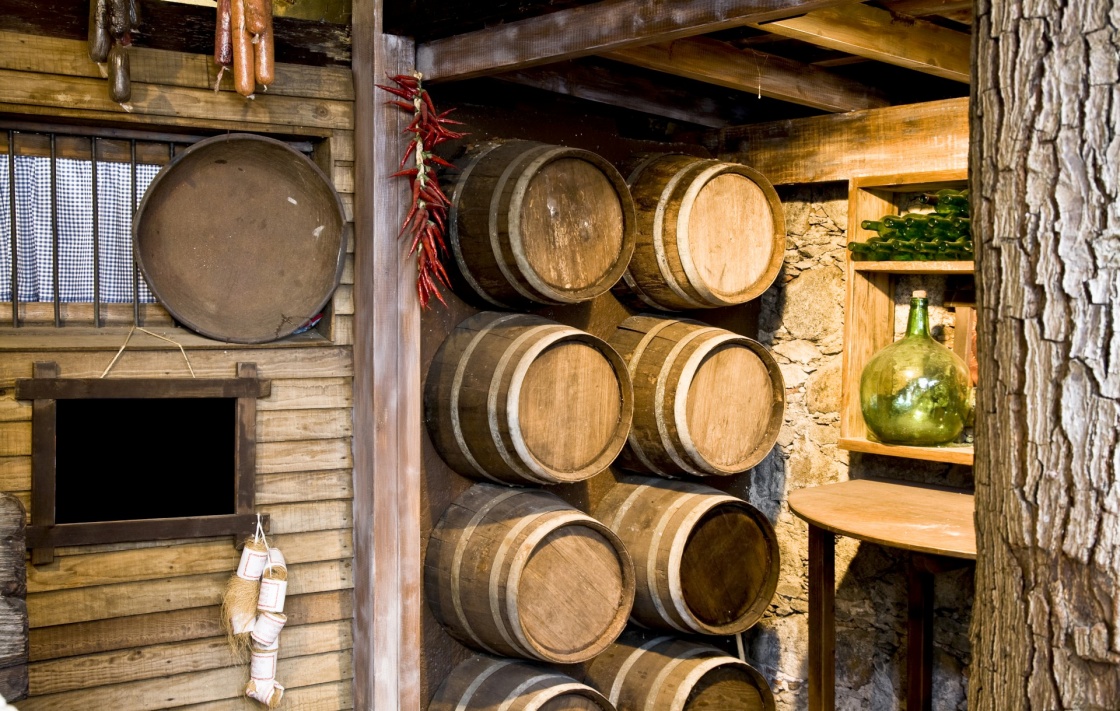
column 164, row 338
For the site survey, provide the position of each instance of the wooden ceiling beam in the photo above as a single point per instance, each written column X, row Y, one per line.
column 876, row 34
column 715, row 62
column 624, row 87
column 924, row 8
column 593, row 29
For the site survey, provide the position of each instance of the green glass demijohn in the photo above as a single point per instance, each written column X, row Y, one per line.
column 915, row 391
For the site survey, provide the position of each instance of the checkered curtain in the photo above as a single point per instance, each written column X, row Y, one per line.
column 75, row 229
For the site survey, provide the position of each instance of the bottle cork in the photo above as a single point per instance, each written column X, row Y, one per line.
column 919, row 294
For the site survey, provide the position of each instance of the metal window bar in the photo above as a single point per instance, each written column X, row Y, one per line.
column 96, row 137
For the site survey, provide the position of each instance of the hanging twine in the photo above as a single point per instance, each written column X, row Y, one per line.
column 164, row 338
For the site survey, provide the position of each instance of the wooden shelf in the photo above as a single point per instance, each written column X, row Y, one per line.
column 869, row 305
column 951, row 453
column 915, row 267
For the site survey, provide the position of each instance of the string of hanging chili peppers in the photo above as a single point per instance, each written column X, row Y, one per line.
column 426, row 221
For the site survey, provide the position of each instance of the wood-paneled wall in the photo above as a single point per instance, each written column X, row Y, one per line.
column 136, row 626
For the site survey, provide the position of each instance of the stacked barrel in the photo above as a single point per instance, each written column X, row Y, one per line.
column 520, row 403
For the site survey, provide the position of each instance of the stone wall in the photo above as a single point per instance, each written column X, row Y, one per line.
column 802, row 321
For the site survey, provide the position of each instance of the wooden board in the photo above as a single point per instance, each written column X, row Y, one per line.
column 950, row 453
column 916, row 517
column 591, row 29
column 899, row 139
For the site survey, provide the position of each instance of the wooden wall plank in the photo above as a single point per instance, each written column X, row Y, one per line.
column 310, row 516
column 78, row 571
column 273, row 363
column 57, row 91
column 15, row 439
column 913, row 138
column 174, row 626
column 876, row 34
column 308, row 394
column 12, row 410
column 54, row 55
column 120, row 600
column 288, row 425
column 15, row 473
column 108, row 668
column 709, row 60
column 592, row 29
column 306, row 455
column 305, row 486
column 337, row 696
column 183, row 689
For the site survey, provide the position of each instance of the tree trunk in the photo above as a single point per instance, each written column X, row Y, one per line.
column 1046, row 178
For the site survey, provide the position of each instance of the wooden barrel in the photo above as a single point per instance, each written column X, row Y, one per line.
column 520, row 399
column 706, row 401
column 520, row 573
column 530, row 222
column 704, row 562
column 666, row 674
column 485, row 683
column 710, row 233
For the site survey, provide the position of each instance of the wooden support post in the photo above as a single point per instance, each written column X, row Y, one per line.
column 822, row 619
column 386, row 387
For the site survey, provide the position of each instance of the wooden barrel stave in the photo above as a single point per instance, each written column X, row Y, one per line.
column 705, row 562
column 518, row 399
column 484, row 683
column 530, row 222
column 518, row 572
column 677, row 431
column 666, row 674
column 692, row 216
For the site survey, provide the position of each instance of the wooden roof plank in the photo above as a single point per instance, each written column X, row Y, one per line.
column 924, row 8
column 594, row 29
column 625, row 89
column 876, row 34
column 716, row 62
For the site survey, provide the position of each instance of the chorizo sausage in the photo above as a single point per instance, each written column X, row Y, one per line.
column 243, row 74
column 120, row 83
column 258, row 14
column 119, row 23
column 223, row 35
column 266, row 66
column 99, row 40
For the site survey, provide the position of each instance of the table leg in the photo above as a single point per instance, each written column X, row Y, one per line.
column 822, row 620
column 919, row 641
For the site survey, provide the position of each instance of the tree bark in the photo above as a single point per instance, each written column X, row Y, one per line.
column 1046, row 186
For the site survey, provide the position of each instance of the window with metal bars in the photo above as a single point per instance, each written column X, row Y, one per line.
column 69, row 194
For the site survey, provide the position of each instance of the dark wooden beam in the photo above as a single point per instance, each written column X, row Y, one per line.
column 594, row 29
column 877, row 34
column 387, row 414
column 623, row 86
column 715, row 62
column 912, row 138
column 924, row 8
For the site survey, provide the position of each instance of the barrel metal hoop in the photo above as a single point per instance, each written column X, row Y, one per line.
column 546, row 695
column 496, row 580
column 680, row 403
column 632, row 366
column 494, row 217
column 659, row 398
column 534, row 472
column 684, row 249
column 478, row 681
column 659, row 240
column 515, row 693
column 456, row 386
column 630, row 661
column 457, row 562
column 453, row 224
column 676, row 555
column 670, row 666
column 653, row 558
column 513, row 399
column 697, row 673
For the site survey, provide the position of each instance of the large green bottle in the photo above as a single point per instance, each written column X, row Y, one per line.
column 915, row 391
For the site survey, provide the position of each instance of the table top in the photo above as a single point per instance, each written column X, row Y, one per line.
column 916, row 517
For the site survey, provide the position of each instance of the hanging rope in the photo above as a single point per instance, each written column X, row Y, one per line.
column 156, row 335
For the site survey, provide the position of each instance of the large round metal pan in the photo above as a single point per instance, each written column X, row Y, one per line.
column 241, row 238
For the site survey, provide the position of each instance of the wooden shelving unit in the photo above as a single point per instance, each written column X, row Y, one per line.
column 869, row 309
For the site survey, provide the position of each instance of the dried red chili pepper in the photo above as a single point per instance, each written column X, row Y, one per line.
column 426, row 219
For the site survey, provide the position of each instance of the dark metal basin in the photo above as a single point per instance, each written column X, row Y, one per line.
column 241, row 238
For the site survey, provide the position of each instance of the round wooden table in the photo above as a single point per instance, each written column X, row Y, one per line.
column 935, row 523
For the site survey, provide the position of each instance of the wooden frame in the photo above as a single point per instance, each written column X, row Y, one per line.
column 869, row 308
column 46, row 388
